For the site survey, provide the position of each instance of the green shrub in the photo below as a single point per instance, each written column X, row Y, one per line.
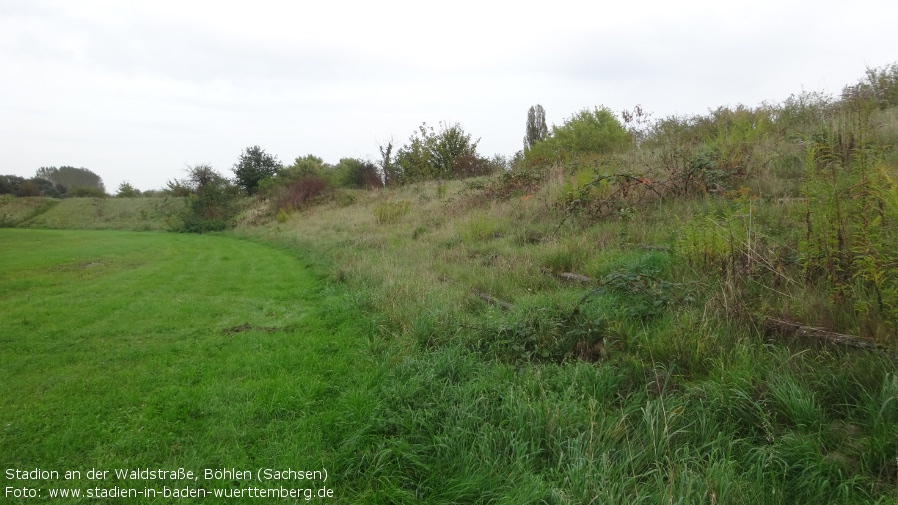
column 126, row 190
column 282, row 216
column 343, row 197
column 444, row 154
column 544, row 334
column 585, row 133
column 359, row 174
column 212, row 208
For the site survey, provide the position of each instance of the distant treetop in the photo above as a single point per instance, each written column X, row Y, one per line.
column 71, row 177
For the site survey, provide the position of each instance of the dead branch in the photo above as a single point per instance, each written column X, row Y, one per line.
column 569, row 276
column 494, row 301
column 788, row 329
column 572, row 277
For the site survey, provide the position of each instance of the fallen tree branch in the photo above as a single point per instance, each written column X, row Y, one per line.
column 773, row 326
column 572, row 277
column 494, row 301
column 569, row 276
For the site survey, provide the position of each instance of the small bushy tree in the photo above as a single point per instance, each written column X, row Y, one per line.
column 177, row 188
column 304, row 166
column 211, row 203
column 355, row 173
column 254, row 166
column 588, row 132
column 413, row 161
column 388, row 169
column 440, row 154
column 199, row 176
column 299, row 184
column 126, row 190
column 596, row 131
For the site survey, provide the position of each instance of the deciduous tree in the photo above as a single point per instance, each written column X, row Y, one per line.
column 387, row 168
column 254, row 166
column 536, row 126
column 71, row 177
column 354, row 173
column 212, row 204
column 126, row 190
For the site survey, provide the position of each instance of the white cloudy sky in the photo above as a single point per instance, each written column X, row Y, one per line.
column 136, row 90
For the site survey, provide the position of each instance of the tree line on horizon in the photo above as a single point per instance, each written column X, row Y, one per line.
column 448, row 151
column 55, row 182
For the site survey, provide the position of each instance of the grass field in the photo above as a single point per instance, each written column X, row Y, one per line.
column 146, row 350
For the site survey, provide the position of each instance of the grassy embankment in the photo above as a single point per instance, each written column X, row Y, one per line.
column 654, row 380
column 147, row 350
column 141, row 214
column 686, row 400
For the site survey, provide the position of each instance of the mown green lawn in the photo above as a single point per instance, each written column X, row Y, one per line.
column 146, row 350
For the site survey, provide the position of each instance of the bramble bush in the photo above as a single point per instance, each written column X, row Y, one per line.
column 296, row 193
column 211, row 202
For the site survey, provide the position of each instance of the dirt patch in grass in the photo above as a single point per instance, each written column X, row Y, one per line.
column 249, row 327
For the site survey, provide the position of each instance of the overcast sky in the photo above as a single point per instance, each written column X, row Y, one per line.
column 137, row 90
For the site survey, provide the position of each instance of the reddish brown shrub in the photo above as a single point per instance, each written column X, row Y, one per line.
column 300, row 191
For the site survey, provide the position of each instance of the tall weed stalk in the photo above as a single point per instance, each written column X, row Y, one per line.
column 849, row 224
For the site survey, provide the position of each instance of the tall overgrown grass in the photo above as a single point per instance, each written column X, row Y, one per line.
column 589, row 326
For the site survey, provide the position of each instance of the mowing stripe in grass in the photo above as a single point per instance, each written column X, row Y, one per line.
column 116, row 351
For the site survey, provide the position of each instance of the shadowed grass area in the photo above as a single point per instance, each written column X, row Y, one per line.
column 123, row 349
column 14, row 211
